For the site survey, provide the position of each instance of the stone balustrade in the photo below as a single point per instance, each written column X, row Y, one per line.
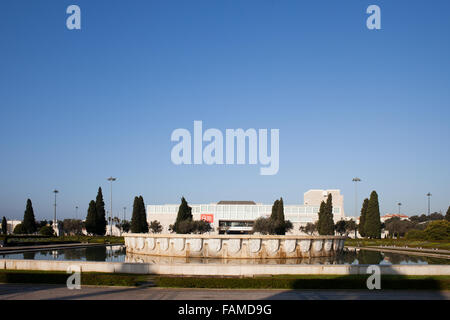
column 233, row 246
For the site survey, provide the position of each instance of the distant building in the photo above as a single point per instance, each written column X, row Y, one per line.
column 238, row 217
column 11, row 224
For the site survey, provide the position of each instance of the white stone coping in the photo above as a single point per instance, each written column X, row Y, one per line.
column 230, row 236
column 199, row 269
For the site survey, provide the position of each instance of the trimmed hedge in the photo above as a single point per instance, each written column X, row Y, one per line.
column 309, row 282
column 89, row 278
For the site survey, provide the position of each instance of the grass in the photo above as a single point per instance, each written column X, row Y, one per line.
column 396, row 282
column 426, row 244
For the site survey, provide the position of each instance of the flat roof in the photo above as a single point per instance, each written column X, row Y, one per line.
column 236, row 202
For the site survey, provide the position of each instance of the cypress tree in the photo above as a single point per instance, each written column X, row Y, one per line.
column 372, row 225
column 100, row 224
column 274, row 214
column 142, row 216
column 4, row 226
column 29, row 223
column 329, row 221
column 91, row 218
column 135, row 219
column 447, row 215
column 321, row 219
column 280, row 223
column 325, row 224
column 362, row 219
column 184, row 215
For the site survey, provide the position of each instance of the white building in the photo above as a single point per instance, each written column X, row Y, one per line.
column 239, row 216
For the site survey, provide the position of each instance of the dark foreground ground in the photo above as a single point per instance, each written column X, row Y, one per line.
column 39, row 292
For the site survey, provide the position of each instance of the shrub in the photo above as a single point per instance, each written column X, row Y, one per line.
column 155, row 226
column 438, row 230
column 416, row 235
column 20, row 229
column 47, row 231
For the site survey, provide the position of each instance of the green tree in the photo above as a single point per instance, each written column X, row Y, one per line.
column 340, row 227
column 279, row 223
column 100, row 224
column 350, row 226
column 139, row 219
column 29, row 222
column 91, row 218
column 19, row 229
column 184, row 215
column 142, row 215
column 326, row 222
column 309, row 228
column 72, row 226
column 372, row 224
column 47, row 231
column 438, row 230
column 155, row 226
column 275, row 224
column 4, row 225
column 447, row 215
column 362, row 218
column 274, row 214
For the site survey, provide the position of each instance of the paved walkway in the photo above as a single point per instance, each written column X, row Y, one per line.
column 43, row 292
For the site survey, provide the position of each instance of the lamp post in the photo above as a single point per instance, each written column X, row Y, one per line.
column 399, row 205
column 356, row 180
column 54, row 215
column 76, row 212
column 429, row 195
column 111, row 179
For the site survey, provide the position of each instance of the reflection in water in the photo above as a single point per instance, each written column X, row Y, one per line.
column 29, row 255
column 98, row 253
column 346, row 257
column 117, row 253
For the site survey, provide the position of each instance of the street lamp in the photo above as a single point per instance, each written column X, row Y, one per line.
column 76, row 212
column 54, row 216
column 399, row 205
column 356, row 180
column 429, row 195
column 111, row 179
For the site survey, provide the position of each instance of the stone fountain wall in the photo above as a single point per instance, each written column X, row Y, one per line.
column 233, row 246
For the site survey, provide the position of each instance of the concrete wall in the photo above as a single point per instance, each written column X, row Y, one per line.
column 233, row 246
column 193, row 269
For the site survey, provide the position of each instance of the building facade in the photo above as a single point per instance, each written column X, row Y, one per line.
column 237, row 217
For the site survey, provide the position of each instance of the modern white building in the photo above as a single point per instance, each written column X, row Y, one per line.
column 238, row 216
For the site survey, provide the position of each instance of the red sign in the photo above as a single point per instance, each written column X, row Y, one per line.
column 207, row 217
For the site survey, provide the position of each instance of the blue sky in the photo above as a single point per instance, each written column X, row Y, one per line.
column 78, row 106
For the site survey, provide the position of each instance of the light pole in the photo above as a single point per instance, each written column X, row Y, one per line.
column 54, row 216
column 399, row 205
column 356, row 180
column 429, row 195
column 111, row 179
column 76, row 212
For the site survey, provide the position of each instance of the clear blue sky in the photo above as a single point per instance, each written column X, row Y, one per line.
column 79, row 106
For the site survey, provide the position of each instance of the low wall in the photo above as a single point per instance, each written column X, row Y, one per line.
column 233, row 246
column 194, row 269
